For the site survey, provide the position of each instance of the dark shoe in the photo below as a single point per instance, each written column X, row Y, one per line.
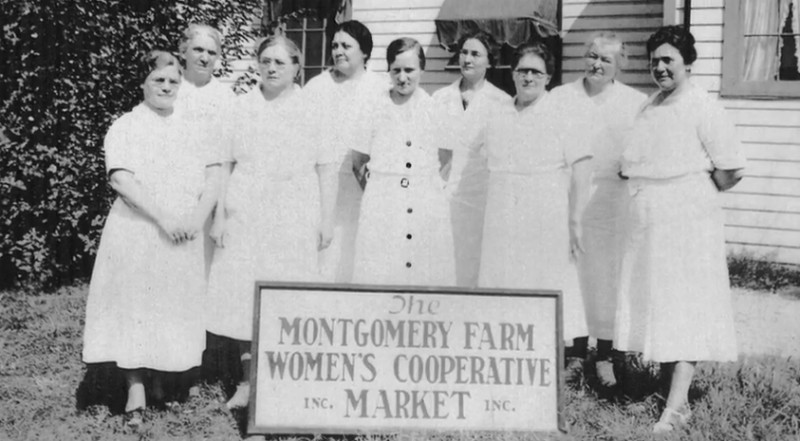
column 573, row 370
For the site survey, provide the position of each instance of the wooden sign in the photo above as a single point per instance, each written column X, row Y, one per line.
column 350, row 359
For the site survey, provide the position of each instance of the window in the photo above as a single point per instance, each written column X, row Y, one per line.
column 761, row 45
column 312, row 35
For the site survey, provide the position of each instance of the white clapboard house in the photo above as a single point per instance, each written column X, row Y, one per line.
column 748, row 56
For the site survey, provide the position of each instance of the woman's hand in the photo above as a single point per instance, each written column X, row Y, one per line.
column 193, row 226
column 174, row 229
column 325, row 236
column 360, row 169
column 575, row 241
column 217, row 232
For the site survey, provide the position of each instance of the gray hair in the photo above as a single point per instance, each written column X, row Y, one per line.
column 608, row 38
column 196, row 29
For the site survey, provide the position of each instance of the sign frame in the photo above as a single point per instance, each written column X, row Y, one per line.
column 262, row 286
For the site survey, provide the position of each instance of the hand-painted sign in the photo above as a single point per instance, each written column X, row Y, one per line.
column 347, row 359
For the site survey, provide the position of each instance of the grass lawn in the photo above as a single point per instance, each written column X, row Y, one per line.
column 48, row 394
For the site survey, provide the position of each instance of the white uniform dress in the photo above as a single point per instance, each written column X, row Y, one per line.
column 272, row 206
column 146, row 295
column 404, row 235
column 610, row 114
column 469, row 176
column 526, row 231
column 211, row 107
column 674, row 301
column 346, row 109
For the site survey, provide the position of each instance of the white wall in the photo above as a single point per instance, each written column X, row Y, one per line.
column 763, row 211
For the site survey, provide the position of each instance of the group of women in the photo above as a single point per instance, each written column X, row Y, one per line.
column 591, row 189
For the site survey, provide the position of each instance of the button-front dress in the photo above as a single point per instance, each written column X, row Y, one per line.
column 345, row 112
column 526, row 231
column 404, row 234
column 610, row 115
column 674, row 300
column 272, row 205
column 145, row 304
column 469, row 176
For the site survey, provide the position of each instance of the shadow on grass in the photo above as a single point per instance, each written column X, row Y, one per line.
column 102, row 384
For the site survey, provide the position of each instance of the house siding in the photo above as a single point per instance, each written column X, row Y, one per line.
column 763, row 211
column 388, row 20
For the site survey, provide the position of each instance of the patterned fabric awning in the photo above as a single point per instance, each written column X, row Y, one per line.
column 511, row 22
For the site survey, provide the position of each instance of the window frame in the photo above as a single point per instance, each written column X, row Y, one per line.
column 303, row 44
column 733, row 85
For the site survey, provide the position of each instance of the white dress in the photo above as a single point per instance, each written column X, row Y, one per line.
column 145, row 302
column 346, row 109
column 674, row 300
column 272, row 206
column 211, row 107
column 404, row 235
column 610, row 114
column 469, row 176
column 526, row 231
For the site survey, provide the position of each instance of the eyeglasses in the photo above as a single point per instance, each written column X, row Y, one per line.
column 524, row 72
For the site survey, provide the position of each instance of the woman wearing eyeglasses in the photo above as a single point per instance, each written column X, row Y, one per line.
column 538, row 185
column 279, row 194
column 466, row 104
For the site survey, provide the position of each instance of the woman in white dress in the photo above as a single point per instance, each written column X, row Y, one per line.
column 146, row 293
column 202, row 97
column 467, row 104
column 404, row 235
column 345, row 96
column 277, row 207
column 674, row 302
column 610, row 107
column 539, row 174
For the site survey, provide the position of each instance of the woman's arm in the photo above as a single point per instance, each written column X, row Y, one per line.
column 197, row 218
column 578, row 199
column 328, row 189
column 128, row 188
column 360, row 161
column 217, row 231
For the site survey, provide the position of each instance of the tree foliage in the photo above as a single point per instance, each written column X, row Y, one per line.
column 68, row 72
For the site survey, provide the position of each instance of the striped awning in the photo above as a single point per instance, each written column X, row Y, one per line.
column 511, row 22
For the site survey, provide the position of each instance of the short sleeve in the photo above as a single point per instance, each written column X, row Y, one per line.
column 718, row 136
column 119, row 153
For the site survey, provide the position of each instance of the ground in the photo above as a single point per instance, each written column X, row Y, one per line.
column 48, row 394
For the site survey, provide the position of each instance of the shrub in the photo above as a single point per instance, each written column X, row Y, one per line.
column 749, row 272
column 66, row 77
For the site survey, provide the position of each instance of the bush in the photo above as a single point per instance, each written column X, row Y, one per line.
column 66, row 77
column 746, row 271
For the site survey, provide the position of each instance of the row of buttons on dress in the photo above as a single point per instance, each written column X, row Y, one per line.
column 404, row 183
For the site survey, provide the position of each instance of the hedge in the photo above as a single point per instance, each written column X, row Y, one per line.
column 66, row 75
